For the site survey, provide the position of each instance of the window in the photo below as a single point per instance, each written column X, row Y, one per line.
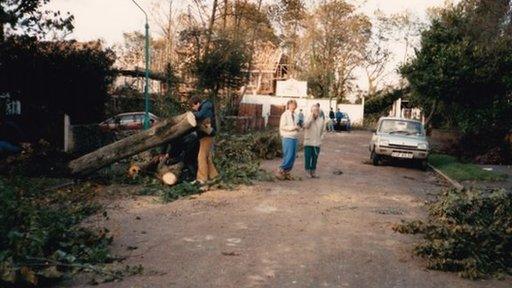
column 127, row 119
column 139, row 118
column 399, row 126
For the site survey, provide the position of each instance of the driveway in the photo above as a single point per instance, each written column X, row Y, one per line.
column 329, row 232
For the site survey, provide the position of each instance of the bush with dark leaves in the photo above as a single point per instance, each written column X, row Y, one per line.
column 469, row 232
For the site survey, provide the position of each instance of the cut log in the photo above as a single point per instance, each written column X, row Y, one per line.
column 145, row 163
column 159, row 134
column 170, row 175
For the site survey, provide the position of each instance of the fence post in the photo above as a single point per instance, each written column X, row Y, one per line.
column 67, row 128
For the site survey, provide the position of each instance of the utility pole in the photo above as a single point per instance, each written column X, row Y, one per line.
column 146, row 86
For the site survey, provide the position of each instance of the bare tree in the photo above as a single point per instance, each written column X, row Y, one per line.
column 335, row 35
column 406, row 28
column 377, row 55
column 289, row 16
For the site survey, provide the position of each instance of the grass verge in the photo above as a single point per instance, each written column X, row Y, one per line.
column 463, row 171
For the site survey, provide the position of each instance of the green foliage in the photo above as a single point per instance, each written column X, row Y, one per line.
column 381, row 102
column 28, row 17
column 222, row 66
column 40, row 235
column 150, row 186
column 238, row 156
column 129, row 100
column 463, row 70
column 463, row 171
column 468, row 232
column 181, row 190
column 247, row 17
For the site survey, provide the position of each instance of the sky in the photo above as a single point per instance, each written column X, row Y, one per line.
column 109, row 19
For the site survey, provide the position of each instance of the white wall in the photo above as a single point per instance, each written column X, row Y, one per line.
column 354, row 111
column 292, row 88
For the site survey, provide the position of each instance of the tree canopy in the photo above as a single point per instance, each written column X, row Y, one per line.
column 335, row 34
column 27, row 17
column 462, row 71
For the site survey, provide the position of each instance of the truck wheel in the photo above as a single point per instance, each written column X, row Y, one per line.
column 375, row 159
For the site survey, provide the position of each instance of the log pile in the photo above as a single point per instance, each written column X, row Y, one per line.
column 160, row 134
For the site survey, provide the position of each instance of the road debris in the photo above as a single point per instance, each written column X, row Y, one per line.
column 337, row 172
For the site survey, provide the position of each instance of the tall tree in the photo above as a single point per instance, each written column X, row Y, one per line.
column 461, row 73
column 405, row 29
column 209, row 31
column 222, row 68
column 289, row 17
column 335, row 35
column 377, row 55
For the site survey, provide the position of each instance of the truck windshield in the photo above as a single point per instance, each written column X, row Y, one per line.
column 400, row 126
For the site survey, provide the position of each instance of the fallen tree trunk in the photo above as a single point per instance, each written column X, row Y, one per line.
column 159, row 134
column 141, row 73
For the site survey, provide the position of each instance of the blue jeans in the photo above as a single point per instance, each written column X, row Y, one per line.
column 289, row 153
column 7, row 147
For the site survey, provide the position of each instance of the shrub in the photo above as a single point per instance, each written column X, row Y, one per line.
column 238, row 156
column 40, row 235
column 469, row 232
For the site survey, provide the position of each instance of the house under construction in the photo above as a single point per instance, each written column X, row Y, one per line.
column 269, row 64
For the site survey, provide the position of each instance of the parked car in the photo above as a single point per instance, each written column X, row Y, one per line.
column 344, row 123
column 397, row 138
column 131, row 121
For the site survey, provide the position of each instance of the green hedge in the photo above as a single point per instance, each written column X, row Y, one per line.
column 382, row 101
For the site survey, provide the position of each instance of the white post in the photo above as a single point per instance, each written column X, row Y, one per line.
column 398, row 112
column 362, row 106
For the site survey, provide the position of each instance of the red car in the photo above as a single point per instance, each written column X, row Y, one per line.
column 127, row 122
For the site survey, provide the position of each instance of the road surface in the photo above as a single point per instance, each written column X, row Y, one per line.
column 329, row 232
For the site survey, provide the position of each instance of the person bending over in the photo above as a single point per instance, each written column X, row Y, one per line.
column 205, row 116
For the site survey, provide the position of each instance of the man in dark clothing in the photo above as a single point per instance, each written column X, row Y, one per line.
column 339, row 116
column 204, row 112
column 331, row 114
